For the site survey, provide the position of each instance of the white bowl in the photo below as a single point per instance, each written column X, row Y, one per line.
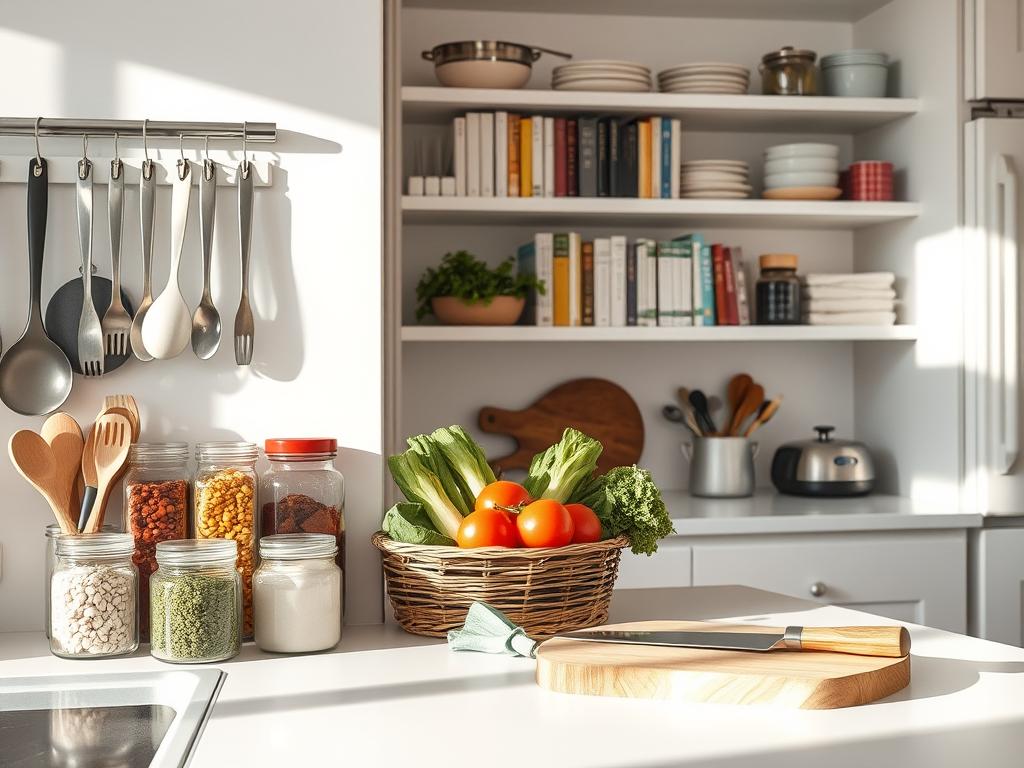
column 803, row 179
column 799, row 164
column 801, row 150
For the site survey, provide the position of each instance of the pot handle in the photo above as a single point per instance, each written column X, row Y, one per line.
column 428, row 55
column 536, row 51
column 687, row 449
column 755, row 448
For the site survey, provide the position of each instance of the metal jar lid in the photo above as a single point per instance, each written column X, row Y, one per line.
column 487, row 50
column 789, row 55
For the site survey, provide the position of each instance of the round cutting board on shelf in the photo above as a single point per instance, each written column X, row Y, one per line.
column 598, row 407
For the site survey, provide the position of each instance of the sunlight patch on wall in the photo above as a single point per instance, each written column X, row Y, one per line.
column 937, row 299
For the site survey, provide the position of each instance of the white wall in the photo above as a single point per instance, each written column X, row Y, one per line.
column 313, row 68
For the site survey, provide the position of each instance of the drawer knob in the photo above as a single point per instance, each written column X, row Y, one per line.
column 818, row 589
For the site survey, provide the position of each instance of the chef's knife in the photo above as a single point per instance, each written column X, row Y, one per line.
column 863, row 641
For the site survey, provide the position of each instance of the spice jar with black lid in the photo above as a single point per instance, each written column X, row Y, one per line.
column 778, row 290
column 195, row 601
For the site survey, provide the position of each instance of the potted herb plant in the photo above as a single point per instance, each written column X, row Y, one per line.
column 463, row 290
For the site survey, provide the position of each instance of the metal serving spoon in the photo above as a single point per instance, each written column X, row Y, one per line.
column 206, row 325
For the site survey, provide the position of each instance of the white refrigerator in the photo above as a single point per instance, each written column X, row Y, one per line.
column 993, row 199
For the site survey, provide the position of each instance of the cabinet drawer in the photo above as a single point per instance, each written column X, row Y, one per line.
column 668, row 567
column 915, row 577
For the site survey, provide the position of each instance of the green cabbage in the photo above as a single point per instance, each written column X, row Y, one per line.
column 558, row 471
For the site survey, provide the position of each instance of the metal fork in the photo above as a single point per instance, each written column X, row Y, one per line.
column 244, row 327
column 117, row 323
column 90, row 332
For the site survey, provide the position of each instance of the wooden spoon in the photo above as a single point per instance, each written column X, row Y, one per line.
column 64, row 436
column 113, row 438
column 689, row 416
column 128, row 403
column 752, row 400
column 34, row 460
column 764, row 415
column 734, row 392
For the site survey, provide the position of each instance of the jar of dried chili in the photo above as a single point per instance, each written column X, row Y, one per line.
column 156, row 505
column 302, row 491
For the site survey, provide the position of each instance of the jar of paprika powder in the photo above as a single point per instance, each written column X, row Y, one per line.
column 156, row 504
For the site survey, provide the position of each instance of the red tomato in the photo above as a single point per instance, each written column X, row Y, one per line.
column 545, row 523
column 487, row 528
column 502, row 493
column 586, row 526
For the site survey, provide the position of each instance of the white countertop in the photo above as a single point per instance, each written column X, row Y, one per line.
column 770, row 512
column 387, row 698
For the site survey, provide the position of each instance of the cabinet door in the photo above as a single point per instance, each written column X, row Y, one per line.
column 915, row 577
column 998, row 585
column 994, row 49
column 668, row 567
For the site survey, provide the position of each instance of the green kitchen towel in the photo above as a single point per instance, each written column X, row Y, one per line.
column 488, row 630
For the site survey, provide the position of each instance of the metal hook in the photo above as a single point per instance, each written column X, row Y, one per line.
column 147, row 164
column 183, row 166
column 209, row 167
column 245, row 159
column 84, row 165
column 38, row 170
column 116, row 165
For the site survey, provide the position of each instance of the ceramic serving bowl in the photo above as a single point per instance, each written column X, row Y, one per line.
column 803, row 149
column 503, row 310
column 801, row 165
column 804, row 179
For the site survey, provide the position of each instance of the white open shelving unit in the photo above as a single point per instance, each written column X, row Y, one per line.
column 526, row 333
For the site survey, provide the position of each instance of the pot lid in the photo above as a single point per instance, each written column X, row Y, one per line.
column 788, row 53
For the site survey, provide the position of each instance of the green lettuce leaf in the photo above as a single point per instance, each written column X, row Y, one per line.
column 409, row 523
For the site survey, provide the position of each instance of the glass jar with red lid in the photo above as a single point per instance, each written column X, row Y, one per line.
column 302, row 491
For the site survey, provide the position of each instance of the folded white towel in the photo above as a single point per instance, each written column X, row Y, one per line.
column 850, row 318
column 855, row 280
column 839, row 292
column 848, row 305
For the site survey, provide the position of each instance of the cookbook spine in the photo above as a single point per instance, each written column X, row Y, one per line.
column 572, row 158
column 459, row 160
column 513, row 155
column 602, row 158
column 656, row 157
column 587, row 141
column 602, row 282
column 538, row 156
column 631, row 285
column 549, row 157
column 545, row 273
column 614, row 160
column 501, row 154
column 473, row 154
column 644, row 161
column 729, row 278
column 526, row 157
column 619, row 280
column 575, row 278
column 561, row 158
column 487, row 154
column 676, row 158
column 589, row 279
column 560, row 291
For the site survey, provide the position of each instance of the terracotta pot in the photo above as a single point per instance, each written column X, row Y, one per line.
column 503, row 310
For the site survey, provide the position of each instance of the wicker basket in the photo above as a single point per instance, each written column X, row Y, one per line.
column 545, row 590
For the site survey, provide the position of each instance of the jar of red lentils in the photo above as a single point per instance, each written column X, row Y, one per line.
column 156, row 504
column 224, row 504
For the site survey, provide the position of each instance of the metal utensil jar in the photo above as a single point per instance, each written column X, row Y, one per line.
column 721, row 467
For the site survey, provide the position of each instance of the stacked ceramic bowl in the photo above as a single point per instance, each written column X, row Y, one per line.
column 857, row 72
column 601, row 75
column 801, row 172
column 714, row 179
column 704, row 77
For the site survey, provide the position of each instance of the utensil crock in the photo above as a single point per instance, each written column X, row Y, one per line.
column 721, row 467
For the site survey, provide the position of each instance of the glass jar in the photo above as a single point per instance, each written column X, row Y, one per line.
column 195, row 601
column 297, row 593
column 155, row 508
column 94, row 596
column 224, row 494
column 52, row 533
column 778, row 290
column 302, row 492
column 789, row 71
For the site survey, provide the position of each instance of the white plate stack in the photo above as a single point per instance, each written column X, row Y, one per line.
column 704, row 77
column 601, row 75
column 801, row 172
column 722, row 179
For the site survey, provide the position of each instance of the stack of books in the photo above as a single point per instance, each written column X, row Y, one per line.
column 501, row 154
column 612, row 282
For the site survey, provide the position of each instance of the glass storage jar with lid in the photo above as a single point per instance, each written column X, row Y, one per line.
column 94, row 596
column 297, row 593
column 156, row 508
column 195, row 601
column 52, row 533
column 224, row 494
column 778, row 290
column 302, row 491
column 789, row 71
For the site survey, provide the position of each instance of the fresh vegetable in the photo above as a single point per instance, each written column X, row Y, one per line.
column 545, row 523
column 409, row 522
column 487, row 528
column 502, row 493
column 556, row 473
column 421, row 485
column 586, row 526
column 636, row 510
column 466, row 277
column 467, row 461
column 433, row 458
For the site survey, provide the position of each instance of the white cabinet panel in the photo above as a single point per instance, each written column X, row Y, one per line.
column 995, row 36
column 919, row 577
column 668, row 567
column 997, row 585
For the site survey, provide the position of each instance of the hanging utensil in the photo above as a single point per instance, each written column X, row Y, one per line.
column 90, row 332
column 764, row 415
column 244, row 327
column 168, row 326
column 117, row 323
column 147, row 211
column 206, row 325
column 35, row 462
column 748, row 407
column 700, row 410
column 62, row 433
column 35, row 375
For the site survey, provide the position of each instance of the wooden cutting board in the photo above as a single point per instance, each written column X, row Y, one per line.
column 598, row 407
column 791, row 679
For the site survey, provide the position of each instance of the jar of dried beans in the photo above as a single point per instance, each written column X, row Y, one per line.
column 224, row 494
column 302, row 492
column 156, row 489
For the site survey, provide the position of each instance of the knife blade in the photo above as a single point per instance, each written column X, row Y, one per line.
column 862, row 641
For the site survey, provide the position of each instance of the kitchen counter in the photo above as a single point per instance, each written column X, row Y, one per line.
column 387, row 698
column 770, row 512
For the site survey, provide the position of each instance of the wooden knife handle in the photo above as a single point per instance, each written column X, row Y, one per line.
column 862, row 641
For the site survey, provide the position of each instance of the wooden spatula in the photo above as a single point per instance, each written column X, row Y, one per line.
column 128, row 403
column 64, row 436
column 752, row 400
column 735, row 392
column 764, row 415
column 113, row 438
column 34, row 460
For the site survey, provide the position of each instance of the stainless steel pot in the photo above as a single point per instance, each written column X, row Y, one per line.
column 721, row 467
column 823, row 466
column 485, row 63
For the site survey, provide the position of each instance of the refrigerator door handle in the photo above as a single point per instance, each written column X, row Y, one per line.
column 1006, row 239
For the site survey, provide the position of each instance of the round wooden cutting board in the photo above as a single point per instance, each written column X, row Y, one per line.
column 781, row 678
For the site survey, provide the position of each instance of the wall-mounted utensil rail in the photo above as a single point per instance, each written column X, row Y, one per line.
column 26, row 126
